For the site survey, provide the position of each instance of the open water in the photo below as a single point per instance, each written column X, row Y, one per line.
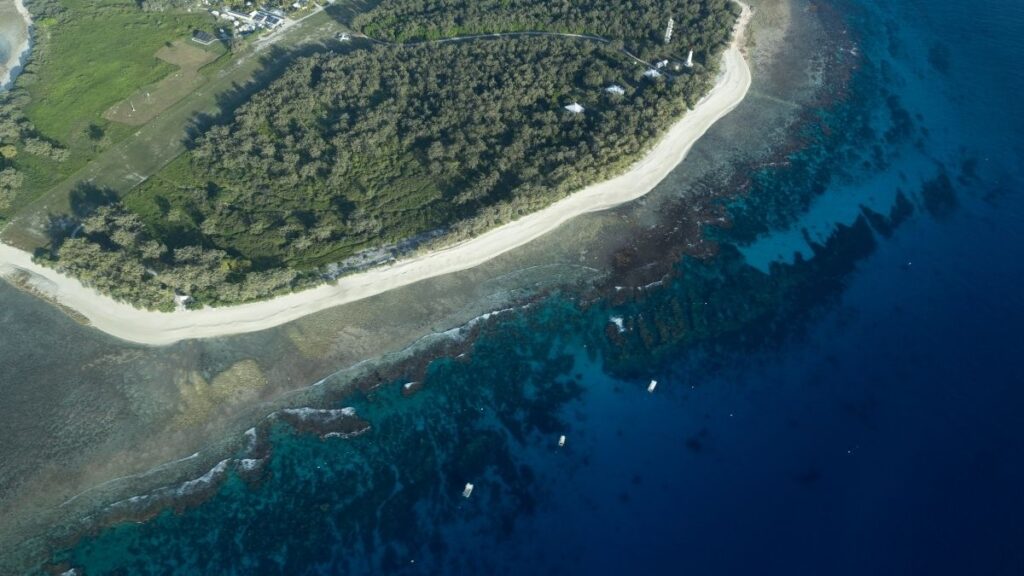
column 839, row 390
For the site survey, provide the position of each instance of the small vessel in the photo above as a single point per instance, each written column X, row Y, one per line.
column 561, row 440
column 652, row 386
column 468, row 490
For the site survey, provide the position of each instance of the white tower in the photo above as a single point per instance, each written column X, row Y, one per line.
column 689, row 60
column 668, row 30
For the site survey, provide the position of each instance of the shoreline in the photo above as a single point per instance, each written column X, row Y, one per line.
column 126, row 322
column 19, row 57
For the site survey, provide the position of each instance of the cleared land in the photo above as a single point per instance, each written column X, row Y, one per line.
column 148, row 101
column 148, row 148
column 94, row 56
column 88, row 55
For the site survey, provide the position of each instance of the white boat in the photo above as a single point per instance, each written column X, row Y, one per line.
column 652, row 386
column 468, row 490
column 561, row 440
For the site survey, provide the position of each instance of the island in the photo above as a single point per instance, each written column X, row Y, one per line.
column 421, row 150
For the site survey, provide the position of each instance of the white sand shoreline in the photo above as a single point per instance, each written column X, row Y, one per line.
column 19, row 57
column 156, row 328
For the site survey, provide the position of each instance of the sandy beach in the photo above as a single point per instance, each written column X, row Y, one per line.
column 155, row 328
column 19, row 53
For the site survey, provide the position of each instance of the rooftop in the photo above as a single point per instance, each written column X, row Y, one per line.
column 575, row 108
column 203, row 37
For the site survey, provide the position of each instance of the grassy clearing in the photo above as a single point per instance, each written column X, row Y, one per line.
column 152, row 99
column 131, row 153
column 94, row 55
column 89, row 55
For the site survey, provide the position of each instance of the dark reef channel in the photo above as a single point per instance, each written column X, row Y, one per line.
column 829, row 308
column 164, row 405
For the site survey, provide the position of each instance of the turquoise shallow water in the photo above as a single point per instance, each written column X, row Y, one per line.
column 838, row 390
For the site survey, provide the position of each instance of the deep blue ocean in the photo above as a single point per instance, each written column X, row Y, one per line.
column 861, row 415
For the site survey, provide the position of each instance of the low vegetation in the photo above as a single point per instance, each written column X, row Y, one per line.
column 87, row 56
column 96, row 53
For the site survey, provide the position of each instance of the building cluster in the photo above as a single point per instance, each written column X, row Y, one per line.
column 615, row 90
column 652, row 73
column 248, row 22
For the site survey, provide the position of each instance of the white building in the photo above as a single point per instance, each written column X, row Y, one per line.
column 266, row 20
column 236, row 16
column 181, row 301
column 652, row 73
column 615, row 89
column 575, row 108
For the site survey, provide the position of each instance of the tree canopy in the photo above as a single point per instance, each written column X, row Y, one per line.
column 700, row 25
column 353, row 153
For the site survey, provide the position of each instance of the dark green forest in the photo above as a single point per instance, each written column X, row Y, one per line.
column 701, row 25
column 348, row 153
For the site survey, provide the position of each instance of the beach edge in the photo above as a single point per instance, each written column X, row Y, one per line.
column 131, row 324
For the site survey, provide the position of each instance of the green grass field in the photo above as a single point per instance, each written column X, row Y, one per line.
column 129, row 154
column 91, row 56
column 150, row 100
column 94, row 55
